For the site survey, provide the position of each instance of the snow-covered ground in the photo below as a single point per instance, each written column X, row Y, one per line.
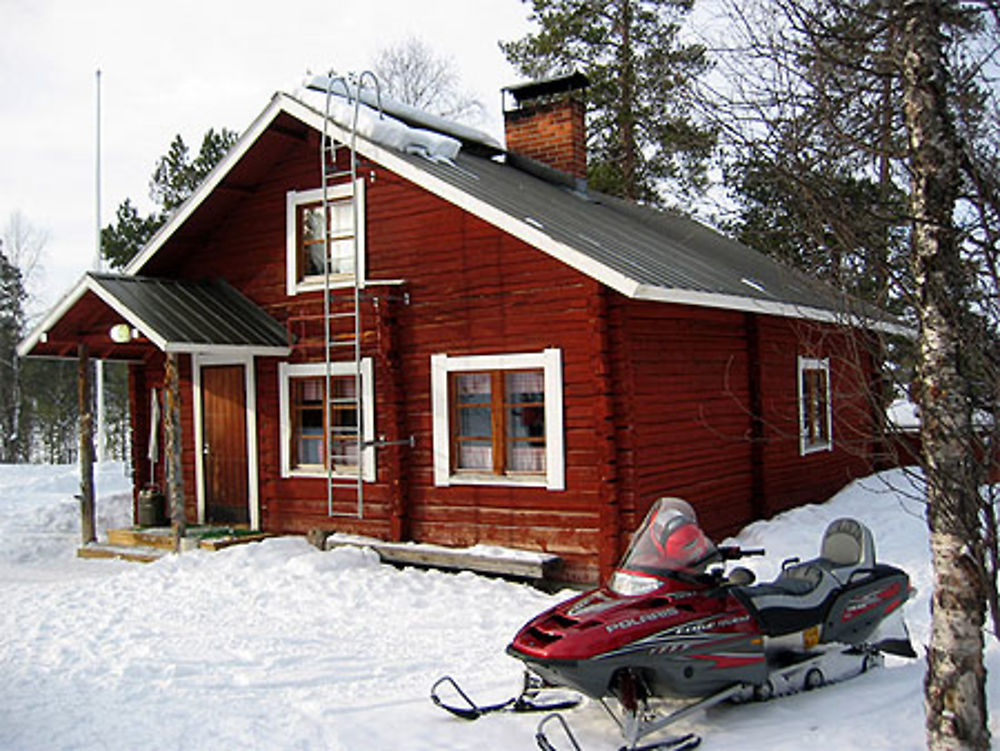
column 276, row 645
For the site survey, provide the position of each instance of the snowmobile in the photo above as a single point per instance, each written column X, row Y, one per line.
column 671, row 628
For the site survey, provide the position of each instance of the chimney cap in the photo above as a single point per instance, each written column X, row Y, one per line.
column 557, row 85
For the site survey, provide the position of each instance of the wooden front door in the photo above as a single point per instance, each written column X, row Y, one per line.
column 224, row 444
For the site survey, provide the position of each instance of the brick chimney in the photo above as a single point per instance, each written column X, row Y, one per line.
column 547, row 123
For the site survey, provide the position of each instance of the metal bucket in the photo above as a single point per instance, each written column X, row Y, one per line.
column 151, row 511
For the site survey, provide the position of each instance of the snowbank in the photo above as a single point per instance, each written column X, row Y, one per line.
column 277, row 645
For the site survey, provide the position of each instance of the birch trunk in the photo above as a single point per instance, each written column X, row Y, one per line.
column 954, row 688
column 172, row 450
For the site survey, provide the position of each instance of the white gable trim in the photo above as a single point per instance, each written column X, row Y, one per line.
column 522, row 228
column 86, row 284
column 209, row 184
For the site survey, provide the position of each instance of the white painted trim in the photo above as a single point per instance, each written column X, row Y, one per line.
column 249, row 137
column 294, row 199
column 84, row 285
column 765, row 307
column 550, row 362
column 287, row 371
column 227, row 350
column 250, row 395
column 812, row 363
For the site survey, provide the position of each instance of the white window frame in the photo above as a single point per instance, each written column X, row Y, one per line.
column 822, row 364
column 549, row 361
column 286, row 372
column 295, row 199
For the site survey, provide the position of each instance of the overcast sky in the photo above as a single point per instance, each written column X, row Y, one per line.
column 181, row 67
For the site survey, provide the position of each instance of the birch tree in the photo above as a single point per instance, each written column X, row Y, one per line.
column 896, row 95
column 412, row 73
column 955, row 683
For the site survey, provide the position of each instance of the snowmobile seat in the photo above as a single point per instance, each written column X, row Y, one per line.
column 799, row 598
column 802, row 594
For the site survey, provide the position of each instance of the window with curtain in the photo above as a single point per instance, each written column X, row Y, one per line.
column 499, row 421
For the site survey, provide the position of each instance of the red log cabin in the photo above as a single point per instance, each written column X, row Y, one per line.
column 536, row 362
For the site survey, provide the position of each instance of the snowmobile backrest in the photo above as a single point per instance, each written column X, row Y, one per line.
column 848, row 542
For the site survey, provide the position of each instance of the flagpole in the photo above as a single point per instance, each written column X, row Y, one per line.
column 98, row 266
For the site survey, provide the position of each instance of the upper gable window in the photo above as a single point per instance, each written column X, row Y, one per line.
column 304, row 236
column 815, row 424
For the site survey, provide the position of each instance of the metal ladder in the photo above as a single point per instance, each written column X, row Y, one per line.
column 332, row 175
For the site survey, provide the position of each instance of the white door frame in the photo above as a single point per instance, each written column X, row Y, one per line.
column 199, row 361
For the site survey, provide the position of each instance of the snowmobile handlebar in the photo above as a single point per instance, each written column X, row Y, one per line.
column 734, row 552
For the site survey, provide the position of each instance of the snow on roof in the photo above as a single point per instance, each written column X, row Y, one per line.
column 381, row 127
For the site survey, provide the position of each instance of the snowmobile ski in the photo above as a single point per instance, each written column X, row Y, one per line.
column 679, row 743
column 526, row 701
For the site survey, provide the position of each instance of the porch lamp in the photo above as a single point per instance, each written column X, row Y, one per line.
column 120, row 333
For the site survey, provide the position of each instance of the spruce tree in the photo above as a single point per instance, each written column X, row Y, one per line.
column 644, row 142
column 174, row 179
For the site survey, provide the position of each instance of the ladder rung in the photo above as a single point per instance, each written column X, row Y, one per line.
column 343, row 344
column 350, row 314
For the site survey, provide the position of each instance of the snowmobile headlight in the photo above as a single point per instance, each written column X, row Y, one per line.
column 632, row 585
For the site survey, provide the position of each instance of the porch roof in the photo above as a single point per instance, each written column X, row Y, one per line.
column 173, row 315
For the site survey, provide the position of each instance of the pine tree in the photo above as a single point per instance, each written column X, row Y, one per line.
column 174, row 179
column 644, row 142
column 13, row 446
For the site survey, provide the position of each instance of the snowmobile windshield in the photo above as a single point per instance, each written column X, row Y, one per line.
column 668, row 545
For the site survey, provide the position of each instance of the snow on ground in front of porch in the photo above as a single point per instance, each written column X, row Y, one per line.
column 275, row 645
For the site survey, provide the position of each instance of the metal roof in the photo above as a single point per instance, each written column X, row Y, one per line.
column 190, row 314
column 664, row 256
column 175, row 315
column 641, row 252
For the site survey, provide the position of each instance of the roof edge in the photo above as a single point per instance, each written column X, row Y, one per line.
column 209, row 184
column 769, row 307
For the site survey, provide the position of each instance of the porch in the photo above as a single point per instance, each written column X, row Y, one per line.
column 148, row 544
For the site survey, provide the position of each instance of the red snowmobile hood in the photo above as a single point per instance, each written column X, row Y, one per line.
column 602, row 621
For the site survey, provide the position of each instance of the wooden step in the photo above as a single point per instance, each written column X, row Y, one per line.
column 137, row 553
column 152, row 537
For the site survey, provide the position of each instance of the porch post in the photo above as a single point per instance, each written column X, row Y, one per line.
column 86, row 457
column 172, row 435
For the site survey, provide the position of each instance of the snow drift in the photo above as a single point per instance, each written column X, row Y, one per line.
column 277, row 645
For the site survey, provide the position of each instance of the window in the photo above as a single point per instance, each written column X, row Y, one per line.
column 815, row 433
column 498, row 419
column 304, row 236
column 306, row 441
